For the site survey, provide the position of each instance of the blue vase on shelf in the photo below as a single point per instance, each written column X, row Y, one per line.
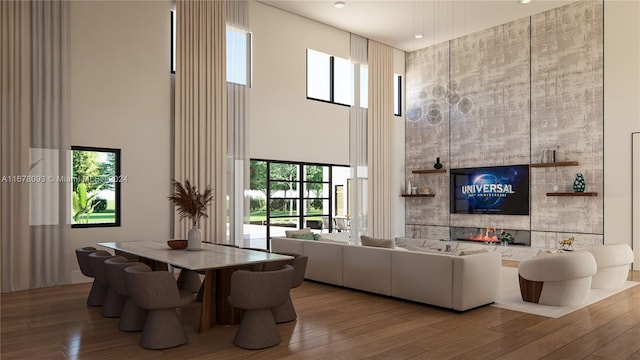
column 578, row 183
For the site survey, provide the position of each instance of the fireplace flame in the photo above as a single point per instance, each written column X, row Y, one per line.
column 486, row 235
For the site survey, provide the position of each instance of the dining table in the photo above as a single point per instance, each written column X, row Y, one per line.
column 216, row 262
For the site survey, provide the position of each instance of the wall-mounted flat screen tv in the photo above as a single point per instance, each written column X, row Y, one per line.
column 500, row 190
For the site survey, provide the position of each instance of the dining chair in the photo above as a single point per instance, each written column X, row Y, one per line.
column 132, row 317
column 97, row 292
column 257, row 293
column 341, row 224
column 113, row 301
column 189, row 280
column 286, row 312
column 96, row 262
column 158, row 293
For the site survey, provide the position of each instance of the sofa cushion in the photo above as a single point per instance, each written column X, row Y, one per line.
column 305, row 236
column 369, row 241
column 289, row 233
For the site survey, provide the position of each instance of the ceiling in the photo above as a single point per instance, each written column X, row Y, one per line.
column 395, row 22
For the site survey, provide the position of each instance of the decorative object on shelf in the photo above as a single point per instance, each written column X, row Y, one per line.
column 193, row 205
column 506, row 238
column 555, row 188
column 567, row 244
column 578, row 183
column 425, row 190
column 559, row 154
column 408, row 187
column 414, row 190
column 437, row 165
column 548, row 156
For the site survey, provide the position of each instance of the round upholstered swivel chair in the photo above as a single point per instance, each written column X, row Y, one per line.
column 132, row 317
column 286, row 312
column 97, row 293
column 557, row 279
column 257, row 293
column 613, row 262
column 157, row 292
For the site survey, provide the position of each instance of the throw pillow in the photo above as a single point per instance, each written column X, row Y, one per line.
column 369, row 241
column 317, row 237
column 289, row 233
column 308, row 236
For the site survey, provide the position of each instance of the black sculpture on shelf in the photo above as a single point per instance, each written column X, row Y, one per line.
column 437, row 165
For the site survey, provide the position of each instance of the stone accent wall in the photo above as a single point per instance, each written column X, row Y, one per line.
column 536, row 83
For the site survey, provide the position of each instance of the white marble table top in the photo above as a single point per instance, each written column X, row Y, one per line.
column 210, row 257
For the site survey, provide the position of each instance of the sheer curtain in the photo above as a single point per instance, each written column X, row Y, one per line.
column 34, row 102
column 358, row 143
column 201, row 108
column 238, row 53
column 380, row 135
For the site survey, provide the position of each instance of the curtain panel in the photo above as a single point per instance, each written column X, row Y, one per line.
column 238, row 101
column 380, row 135
column 201, row 109
column 34, row 104
column 358, row 143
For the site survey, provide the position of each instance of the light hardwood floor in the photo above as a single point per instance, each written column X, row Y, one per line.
column 333, row 323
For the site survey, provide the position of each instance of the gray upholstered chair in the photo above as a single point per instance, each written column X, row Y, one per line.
column 96, row 263
column 97, row 293
column 132, row 317
column 286, row 312
column 114, row 301
column 257, row 293
column 189, row 280
column 157, row 292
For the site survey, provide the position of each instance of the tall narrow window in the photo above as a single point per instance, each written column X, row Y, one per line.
column 238, row 56
column 173, row 41
column 397, row 95
column 364, row 86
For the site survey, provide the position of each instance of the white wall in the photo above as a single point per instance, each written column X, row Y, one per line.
column 621, row 114
column 284, row 124
column 120, row 98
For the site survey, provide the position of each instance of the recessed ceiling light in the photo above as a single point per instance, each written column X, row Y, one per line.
column 341, row 4
column 525, row 1
column 418, row 36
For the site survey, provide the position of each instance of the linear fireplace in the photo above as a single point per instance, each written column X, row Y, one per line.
column 489, row 235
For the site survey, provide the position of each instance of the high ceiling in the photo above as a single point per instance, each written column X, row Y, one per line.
column 395, row 22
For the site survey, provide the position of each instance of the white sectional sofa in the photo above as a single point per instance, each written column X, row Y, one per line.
column 440, row 279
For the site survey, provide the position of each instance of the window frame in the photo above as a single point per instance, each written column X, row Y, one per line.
column 118, row 179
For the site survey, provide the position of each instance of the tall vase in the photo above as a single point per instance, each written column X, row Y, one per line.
column 578, row 183
column 194, row 239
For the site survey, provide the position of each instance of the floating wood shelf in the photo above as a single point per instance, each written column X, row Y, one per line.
column 418, row 195
column 430, row 171
column 572, row 194
column 555, row 164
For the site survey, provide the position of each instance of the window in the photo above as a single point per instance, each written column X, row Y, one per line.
column 397, row 95
column 173, row 41
column 329, row 78
column 238, row 56
column 95, row 197
column 364, row 86
column 290, row 195
column 238, row 53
